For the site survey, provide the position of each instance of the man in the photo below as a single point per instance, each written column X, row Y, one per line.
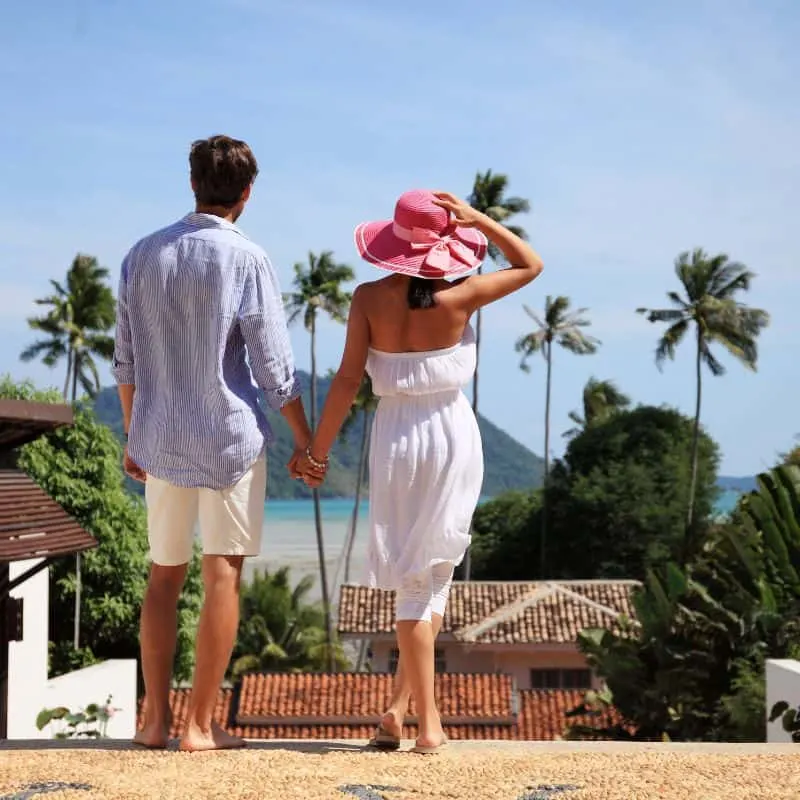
column 197, row 301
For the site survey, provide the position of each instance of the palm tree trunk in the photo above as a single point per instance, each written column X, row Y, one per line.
column 543, row 543
column 76, row 366
column 695, row 446
column 77, row 634
column 323, row 573
column 478, row 317
column 362, row 468
column 65, row 393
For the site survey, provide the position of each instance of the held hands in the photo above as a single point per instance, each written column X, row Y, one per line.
column 132, row 469
column 463, row 213
column 303, row 466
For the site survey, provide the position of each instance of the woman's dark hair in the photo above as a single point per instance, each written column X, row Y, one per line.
column 221, row 169
column 420, row 293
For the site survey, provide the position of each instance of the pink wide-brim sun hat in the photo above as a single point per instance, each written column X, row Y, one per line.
column 421, row 241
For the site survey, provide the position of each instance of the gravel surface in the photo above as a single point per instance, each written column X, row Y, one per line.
column 338, row 772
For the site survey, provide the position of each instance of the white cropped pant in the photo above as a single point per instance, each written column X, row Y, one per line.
column 418, row 598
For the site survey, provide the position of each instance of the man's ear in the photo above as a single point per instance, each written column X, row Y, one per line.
column 246, row 194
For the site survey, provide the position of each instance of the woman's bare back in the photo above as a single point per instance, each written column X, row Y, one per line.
column 396, row 328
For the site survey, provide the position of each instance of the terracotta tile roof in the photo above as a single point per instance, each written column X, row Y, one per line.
column 22, row 422
column 536, row 715
column 354, row 698
column 32, row 525
column 499, row 612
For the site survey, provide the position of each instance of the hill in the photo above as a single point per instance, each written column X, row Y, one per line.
column 508, row 464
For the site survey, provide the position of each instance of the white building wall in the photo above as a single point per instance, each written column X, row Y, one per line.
column 27, row 660
column 29, row 690
column 783, row 683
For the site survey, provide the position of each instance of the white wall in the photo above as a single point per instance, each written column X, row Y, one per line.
column 783, row 683
column 76, row 690
column 29, row 690
column 27, row 660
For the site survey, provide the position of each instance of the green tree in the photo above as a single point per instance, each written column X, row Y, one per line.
column 710, row 287
column 318, row 287
column 280, row 631
column 564, row 328
column 81, row 314
column 488, row 196
column 692, row 667
column 80, row 468
column 76, row 326
column 601, row 399
column 505, row 537
column 363, row 407
column 617, row 500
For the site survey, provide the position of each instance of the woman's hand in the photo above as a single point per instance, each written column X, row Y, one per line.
column 462, row 212
column 311, row 470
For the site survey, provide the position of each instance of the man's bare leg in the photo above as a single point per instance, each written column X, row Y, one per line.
column 392, row 720
column 216, row 634
column 158, row 636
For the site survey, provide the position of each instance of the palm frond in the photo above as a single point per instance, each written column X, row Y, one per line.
column 671, row 338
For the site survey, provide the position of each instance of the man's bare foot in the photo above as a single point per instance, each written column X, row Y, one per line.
column 194, row 740
column 154, row 736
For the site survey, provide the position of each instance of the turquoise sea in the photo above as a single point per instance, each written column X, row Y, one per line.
column 289, row 537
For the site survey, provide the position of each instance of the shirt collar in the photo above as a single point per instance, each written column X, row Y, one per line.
column 201, row 220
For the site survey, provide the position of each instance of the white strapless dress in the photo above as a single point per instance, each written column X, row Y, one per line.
column 426, row 461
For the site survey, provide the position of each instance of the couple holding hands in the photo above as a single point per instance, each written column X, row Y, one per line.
column 201, row 328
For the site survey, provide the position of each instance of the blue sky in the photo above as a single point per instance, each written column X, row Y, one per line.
column 637, row 130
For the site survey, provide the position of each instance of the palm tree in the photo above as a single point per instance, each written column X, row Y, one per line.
column 564, row 328
column 280, row 630
column 318, row 287
column 363, row 406
column 77, row 327
column 710, row 285
column 488, row 197
column 601, row 399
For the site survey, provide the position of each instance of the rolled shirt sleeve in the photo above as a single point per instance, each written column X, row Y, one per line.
column 122, row 366
column 263, row 324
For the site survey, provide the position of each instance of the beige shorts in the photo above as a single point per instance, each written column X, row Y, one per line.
column 230, row 519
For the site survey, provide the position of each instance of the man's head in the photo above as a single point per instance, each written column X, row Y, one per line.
column 222, row 171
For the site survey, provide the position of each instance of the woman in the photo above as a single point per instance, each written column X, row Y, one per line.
column 411, row 332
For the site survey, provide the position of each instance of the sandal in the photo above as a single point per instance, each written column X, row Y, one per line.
column 429, row 751
column 384, row 740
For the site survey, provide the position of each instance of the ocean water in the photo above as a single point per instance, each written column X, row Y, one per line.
column 289, row 537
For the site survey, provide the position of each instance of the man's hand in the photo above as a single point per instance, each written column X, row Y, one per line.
column 132, row 469
column 292, row 465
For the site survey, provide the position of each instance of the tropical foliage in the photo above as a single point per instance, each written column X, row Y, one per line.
column 318, row 288
column 601, row 399
column 692, row 666
column 279, row 629
column 564, row 328
column 80, row 468
column 76, row 326
column 710, row 309
column 617, row 501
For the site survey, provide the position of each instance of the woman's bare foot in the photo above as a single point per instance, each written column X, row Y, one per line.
column 392, row 722
column 154, row 735
column 194, row 740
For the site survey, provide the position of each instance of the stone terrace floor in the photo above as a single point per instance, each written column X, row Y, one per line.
column 339, row 770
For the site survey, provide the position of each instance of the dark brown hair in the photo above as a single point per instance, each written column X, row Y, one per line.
column 221, row 169
column 420, row 294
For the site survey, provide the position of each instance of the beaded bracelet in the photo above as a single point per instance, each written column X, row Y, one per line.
column 320, row 465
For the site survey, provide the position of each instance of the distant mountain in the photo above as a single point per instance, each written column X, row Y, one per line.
column 743, row 484
column 508, row 464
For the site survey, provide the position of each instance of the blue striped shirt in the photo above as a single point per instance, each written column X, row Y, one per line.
column 198, row 301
